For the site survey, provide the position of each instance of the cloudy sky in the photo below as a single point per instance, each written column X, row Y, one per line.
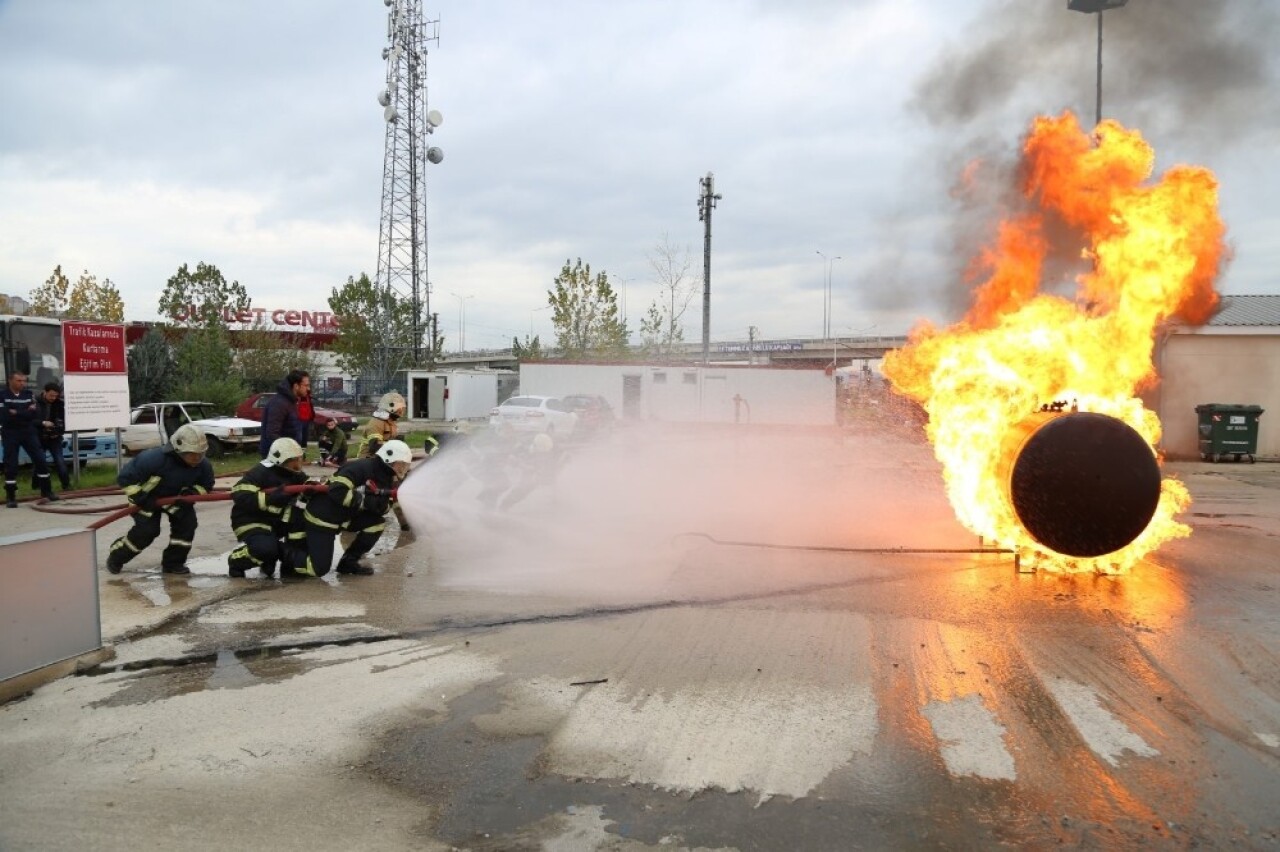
column 137, row 135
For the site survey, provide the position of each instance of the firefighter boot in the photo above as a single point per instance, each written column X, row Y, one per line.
column 11, row 496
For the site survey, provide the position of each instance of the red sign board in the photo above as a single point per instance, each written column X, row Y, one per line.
column 94, row 348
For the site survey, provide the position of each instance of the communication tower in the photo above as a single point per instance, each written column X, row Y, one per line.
column 402, row 283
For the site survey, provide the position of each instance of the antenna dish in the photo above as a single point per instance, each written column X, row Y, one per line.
column 390, row 114
column 435, row 155
column 384, row 97
column 434, row 118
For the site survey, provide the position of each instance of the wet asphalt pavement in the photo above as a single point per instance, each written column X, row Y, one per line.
column 573, row 673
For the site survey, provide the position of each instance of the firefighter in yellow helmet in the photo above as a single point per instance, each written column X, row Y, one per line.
column 177, row 468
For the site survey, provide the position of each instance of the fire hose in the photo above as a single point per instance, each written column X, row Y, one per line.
column 1017, row 558
column 211, row 497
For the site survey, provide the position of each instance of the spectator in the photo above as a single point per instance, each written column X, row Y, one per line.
column 306, row 417
column 333, row 445
column 18, row 422
column 280, row 417
column 51, row 411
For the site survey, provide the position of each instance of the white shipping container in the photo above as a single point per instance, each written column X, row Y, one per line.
column 449, row 395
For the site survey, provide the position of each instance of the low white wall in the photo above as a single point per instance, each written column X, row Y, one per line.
column 694, row 394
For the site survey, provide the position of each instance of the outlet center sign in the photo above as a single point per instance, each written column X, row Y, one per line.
column 95, row 375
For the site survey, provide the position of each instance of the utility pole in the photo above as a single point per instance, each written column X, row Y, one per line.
column 706, row 203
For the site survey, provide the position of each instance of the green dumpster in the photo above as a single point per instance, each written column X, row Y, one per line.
column 1228, row 430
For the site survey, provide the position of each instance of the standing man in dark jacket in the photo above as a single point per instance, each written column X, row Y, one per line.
column 358, row 497
column 261, row 509
column 53, row 422
column 177, row 468
column 280, row 417
column 18, row 421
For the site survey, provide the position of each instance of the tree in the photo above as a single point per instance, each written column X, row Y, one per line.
column 151, row 370
column 530, row 350
column 264, row 356
column 357, row 345
column 204, row 369
column 199, row 298
column 584, row 313
column 50, row 298
column 6, row 307
column 93, row 301
column 661, row 329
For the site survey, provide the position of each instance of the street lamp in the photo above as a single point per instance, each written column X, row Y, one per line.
column 1089, row 7
column 462, row 320
column 826, row 295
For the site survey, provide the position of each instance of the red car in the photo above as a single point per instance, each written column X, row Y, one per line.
column 253, row 407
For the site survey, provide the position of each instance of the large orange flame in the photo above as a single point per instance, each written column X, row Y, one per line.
column 1153, row 251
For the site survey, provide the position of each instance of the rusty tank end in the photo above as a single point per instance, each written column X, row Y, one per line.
column 1081, row 484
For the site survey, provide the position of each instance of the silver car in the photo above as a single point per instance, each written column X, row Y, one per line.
column 546, row 414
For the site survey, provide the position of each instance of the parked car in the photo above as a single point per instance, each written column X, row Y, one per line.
column 546, row 414
column 151, row 425
column 594, row 412
column 93, row 444
column 253, row 407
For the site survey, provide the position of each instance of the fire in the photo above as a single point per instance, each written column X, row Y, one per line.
column 1151, row 252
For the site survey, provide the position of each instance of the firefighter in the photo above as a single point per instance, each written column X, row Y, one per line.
column 357, row 500
column 261, row 509
column 382, row 426
column 380, row 429
column 177, row 468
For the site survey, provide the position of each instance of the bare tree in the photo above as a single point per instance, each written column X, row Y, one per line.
column 661, row 329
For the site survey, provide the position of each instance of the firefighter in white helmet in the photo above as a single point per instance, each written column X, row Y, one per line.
column 356, row 501
column 261, row 508
column 177, row 468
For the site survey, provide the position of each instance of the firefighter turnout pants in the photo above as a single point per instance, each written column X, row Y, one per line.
column 259, row 548
column 146, row 529
column 317, row 558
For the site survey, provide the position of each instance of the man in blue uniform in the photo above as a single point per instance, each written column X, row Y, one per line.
column 177, row 468
column 261, row 509
column 19, row 417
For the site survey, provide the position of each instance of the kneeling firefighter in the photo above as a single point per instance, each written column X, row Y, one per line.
column 177, row 468
column 358, row 497
column 261, row 509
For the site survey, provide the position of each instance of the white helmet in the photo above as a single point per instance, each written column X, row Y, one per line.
column 282, row 449
column 395, row 451
column 392, row 403
column 188, row 439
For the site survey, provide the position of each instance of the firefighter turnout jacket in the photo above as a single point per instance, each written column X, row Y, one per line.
column 254, row 504
column 161, row 472
column 350, row 491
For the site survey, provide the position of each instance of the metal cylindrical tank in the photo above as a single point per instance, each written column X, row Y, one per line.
column 1081, row 484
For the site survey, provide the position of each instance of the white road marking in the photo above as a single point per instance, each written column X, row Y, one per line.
column 970, row 738
column 1106, row 735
